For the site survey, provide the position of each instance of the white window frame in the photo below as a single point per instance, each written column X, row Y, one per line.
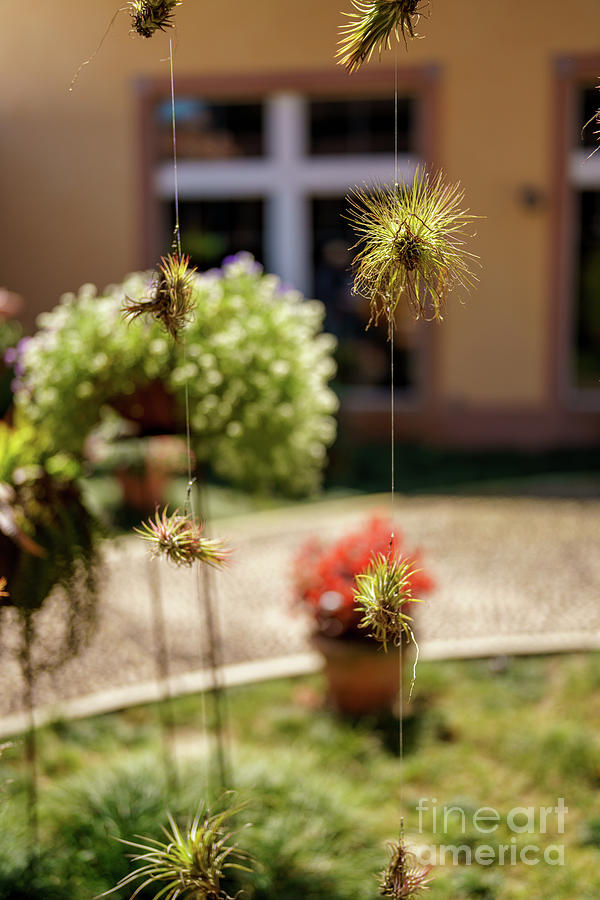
column 286, row 178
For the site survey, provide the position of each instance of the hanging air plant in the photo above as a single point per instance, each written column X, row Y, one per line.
column 190, row 863
column 149, row 16
column 372, row 27
column 596, row 120
column 380, row 594
column 179, row 538
column 411, row 239
column 403, row 878
column 171, row 298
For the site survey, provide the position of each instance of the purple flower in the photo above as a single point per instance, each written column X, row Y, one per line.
column 13, row 356
column 283, row 288
column 22, row 345
column 246, row 260
column 231, row 259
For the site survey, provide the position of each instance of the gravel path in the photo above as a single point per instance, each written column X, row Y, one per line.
column 512, row 573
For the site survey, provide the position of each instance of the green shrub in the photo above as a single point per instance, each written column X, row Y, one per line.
column 253, row 358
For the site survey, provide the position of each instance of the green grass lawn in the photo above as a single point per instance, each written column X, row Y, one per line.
column 324, row 795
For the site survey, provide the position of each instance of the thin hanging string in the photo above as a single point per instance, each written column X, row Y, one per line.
column 393, row 473
column 86, row 62
column 189, row 507
column 392, row 323
column 177, row 244
column 163, row 675
column 214, row 662
column 203, row 580
column 203, row 713
column 396, row 118
column 215, row 658
column 177, row 234
column 189, row 496
column 392, row 443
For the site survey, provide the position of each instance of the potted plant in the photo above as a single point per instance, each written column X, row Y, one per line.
column 144, row 467
column 252, row 364
column 361, row 676
column 48, row 539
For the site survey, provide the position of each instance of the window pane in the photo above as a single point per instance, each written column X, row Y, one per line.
column 360, row 126
column 587, row 296
column 208, row 130
column 213, row 229
column 363, row 355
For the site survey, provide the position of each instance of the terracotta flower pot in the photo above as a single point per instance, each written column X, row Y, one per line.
column 361, row 677
column 152, row 407
column 143, row 490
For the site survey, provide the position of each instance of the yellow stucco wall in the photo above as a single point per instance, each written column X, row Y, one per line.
column 70, row 169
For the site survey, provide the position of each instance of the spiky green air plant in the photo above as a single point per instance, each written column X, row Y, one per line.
column 403, row 878
column 150, row 16
column 190, row 863
column 171, row 298
column 411, row 244
column 596, row 120
column 180, row 539
column 372, row 26
column 380, row 594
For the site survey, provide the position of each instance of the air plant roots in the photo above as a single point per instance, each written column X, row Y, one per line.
column 403, row 878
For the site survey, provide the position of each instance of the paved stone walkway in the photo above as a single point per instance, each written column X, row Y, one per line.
column 514, row 575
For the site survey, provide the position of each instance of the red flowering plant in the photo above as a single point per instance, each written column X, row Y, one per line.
column 324, row 574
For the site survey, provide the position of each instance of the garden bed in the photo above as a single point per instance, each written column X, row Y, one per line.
column 324, row 793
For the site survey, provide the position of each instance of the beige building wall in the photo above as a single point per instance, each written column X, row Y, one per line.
column 70, row 162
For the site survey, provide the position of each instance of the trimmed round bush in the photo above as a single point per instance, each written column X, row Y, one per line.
column 254, row 359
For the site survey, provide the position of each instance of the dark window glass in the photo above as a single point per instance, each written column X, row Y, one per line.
column 587, row 126
column 360, row 126
column 214, row 229
column 210, row 130
column 586, row 322
column 363, row 355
